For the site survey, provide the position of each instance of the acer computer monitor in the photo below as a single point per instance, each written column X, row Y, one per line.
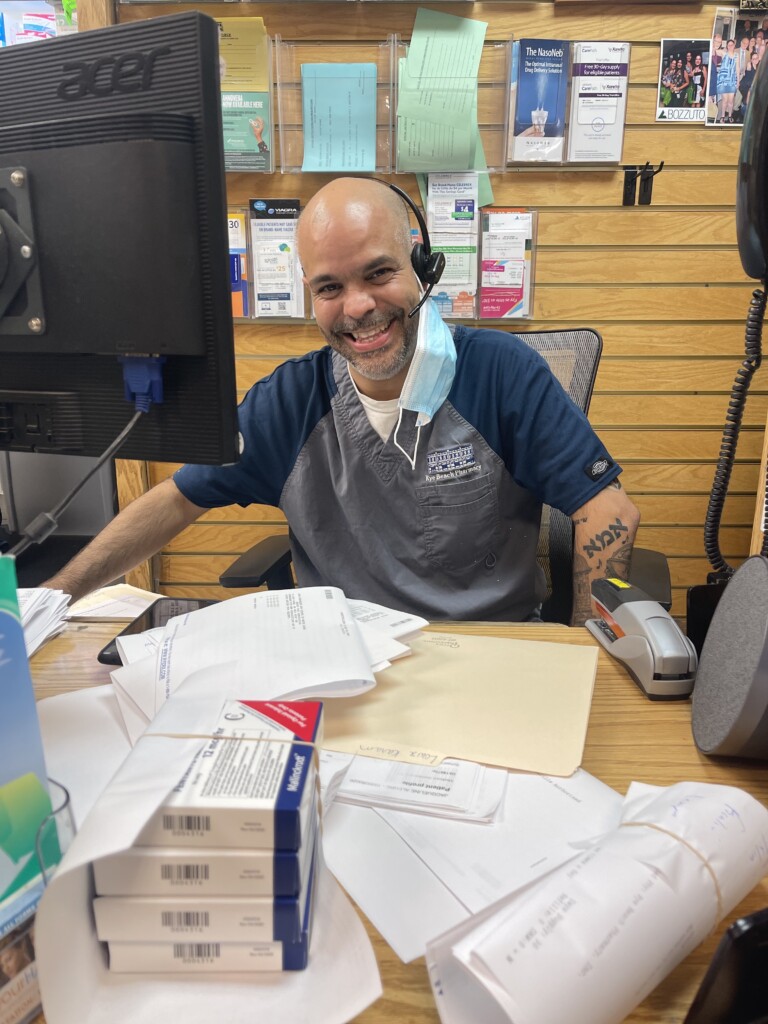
column 113, row 242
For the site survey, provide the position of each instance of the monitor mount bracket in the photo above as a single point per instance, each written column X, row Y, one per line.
column 19, row 267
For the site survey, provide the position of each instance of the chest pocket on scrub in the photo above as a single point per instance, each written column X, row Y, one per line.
column 460, row 520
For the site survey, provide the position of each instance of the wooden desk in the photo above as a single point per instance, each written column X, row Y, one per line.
column 628, row 738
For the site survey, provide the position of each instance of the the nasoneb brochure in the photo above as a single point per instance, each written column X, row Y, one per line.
column 538, row 128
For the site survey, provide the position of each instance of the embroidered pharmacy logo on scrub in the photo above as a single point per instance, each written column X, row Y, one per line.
column 449, row 463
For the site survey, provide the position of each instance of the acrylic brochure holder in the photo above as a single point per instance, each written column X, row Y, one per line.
column 335, row 103
column 473, row 135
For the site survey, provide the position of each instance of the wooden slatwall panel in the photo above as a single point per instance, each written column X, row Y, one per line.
column 662, row 283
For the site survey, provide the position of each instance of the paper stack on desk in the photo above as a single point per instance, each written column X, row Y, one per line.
column 43, row 615
column 221, row 876
column 610, row 924
column 286, row 643
column 119, row 602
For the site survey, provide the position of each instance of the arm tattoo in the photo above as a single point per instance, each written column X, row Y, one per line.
column 616, row 531
column 582, row 592
column 619, row 562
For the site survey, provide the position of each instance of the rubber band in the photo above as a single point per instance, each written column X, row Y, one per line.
column 694, row 851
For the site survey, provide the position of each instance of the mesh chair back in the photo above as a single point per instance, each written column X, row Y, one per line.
column 573, row 357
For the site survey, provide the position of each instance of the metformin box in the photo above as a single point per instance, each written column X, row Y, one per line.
column 251, row 786
column 168, row 871
column 191, row 954
column 191, row 918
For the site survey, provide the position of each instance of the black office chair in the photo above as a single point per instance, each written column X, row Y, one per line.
column 573, row 357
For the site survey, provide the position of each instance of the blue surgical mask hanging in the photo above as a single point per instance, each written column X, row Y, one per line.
column 430, row 374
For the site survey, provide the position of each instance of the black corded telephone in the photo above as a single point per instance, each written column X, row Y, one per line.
column 752, row 235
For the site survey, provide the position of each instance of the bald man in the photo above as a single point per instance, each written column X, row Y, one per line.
column 411, row 459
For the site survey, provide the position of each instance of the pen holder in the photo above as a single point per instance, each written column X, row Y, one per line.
column 56, row 831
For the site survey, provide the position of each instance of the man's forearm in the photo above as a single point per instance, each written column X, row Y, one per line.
column 136, row 534
column 604, row 532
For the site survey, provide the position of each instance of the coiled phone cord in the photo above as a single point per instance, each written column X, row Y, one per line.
column 752, row 358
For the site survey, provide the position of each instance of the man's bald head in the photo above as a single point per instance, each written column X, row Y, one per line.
column 354, row 204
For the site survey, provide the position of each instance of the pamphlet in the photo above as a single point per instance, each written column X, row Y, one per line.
column 24, row 804
column 239, row 282
column 246, row 106
column 277, row 285
column 540, row 96
column 453, row 216
column 598, row 101
column 506, row 263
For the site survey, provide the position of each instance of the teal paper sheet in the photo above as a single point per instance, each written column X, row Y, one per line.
column 339, row 111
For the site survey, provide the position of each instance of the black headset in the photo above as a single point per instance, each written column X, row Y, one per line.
column 428, row 265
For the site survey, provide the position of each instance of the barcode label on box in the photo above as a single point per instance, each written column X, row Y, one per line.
column 196, row 950
column 187, row 822
column 185, row 872
column 176, row 919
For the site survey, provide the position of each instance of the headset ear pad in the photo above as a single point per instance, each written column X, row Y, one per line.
column 419, row 262
column 429, row 266
column 435, row 265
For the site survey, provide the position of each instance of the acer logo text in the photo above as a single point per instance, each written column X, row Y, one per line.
column 130, row 72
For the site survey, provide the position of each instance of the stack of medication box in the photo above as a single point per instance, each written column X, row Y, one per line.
column 221, row 877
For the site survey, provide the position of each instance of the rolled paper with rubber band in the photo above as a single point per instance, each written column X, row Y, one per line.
column 612, row 922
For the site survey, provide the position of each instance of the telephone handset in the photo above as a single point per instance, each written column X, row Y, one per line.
column 752, row 182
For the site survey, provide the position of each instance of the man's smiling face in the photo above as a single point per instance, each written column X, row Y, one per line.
column 354, row 244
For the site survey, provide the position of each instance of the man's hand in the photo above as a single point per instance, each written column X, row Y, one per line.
column 604, row 533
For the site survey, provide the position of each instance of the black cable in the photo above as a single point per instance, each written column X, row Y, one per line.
column 752, row 358
column 42, row 526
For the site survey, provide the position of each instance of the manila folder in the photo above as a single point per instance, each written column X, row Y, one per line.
column 519, row 704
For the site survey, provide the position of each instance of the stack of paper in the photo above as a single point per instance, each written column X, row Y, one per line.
column 43, row 615
column 287, row 643
column 120, row 601
column 611, row 923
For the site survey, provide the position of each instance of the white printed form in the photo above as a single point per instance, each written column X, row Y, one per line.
column 613, row 922
column 277, row 643
column 389, row 621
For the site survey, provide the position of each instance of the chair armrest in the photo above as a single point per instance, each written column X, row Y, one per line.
column 649, row 570
column 268, row 562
